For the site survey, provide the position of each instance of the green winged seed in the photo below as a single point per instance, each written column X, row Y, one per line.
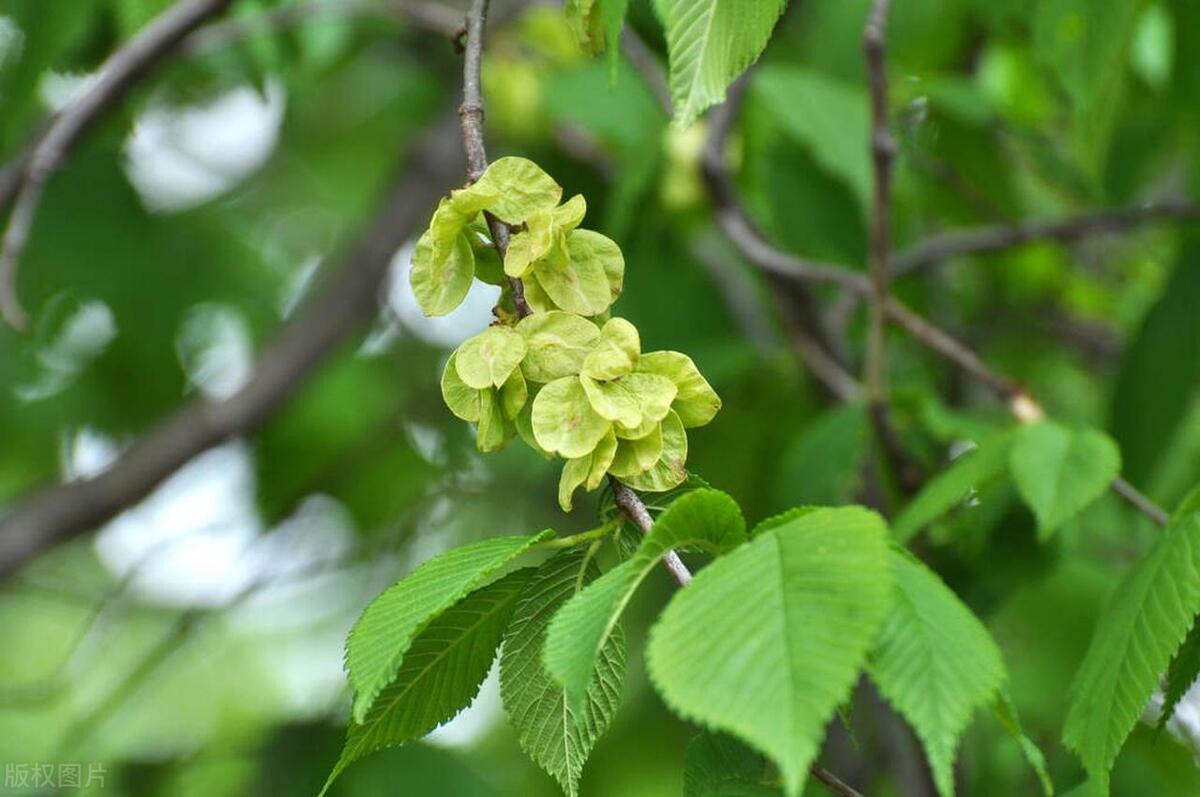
column 631, row 400
column 462, row 399
column 453, row 215
column 441, row 286
column 617, row 352
column 513, row 395
column 569, row 214
column 530, row 245
column 563, row 420
column 521, row 188
column 696, row 402
column 492, row 431
column 577, row 285
column 488, row 267
column 556, row 344
column 635, row 457
column 588, row 470
column 489, row 358
column 613, row 401
column 669, row 470
column 590, row 247
column 535, row 297
column 524, row 424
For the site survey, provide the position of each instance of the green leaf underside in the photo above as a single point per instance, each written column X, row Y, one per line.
column 769, row 639
column 1184, row 669
column 380, row 639
column 717, row 765
column 949, row 488
column 1143, row 624
column 706, row 519
column 1059, row 471
column 553, row 734
column 440, row 674
column 934, row 662
column 709, row 43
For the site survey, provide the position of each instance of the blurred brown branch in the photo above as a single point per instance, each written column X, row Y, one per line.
column 347, row 302
column 735, row 222
column 121, row 72
column 1002, row 237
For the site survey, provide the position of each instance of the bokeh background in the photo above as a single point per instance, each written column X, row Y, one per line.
column 193, row 645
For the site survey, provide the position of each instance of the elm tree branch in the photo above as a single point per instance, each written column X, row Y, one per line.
column 347, row 302
column 123, row 70
column 735, row 222
column 471, row 116
column 1002, row 237
column 883, row 153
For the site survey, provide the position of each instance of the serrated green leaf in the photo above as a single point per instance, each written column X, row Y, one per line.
column 947, row 490
column 616, row 353
column 556, row 343
column 587, row 470
column 556, row 737
column 717, row 765
column 1184, row 669
column 383, row 634
column 1143, row 624
column 442, row 285
column 520, row 188
column 563, row 420
column 441, row 672
column 706, row 519
column 934, row 662
column 462, row 400
column 769, row 639
column 695, row 402
column 711, row 42
column 670, row 469
column 1059, row 471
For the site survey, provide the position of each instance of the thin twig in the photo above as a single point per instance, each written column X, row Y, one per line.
column 346, row 303
column 1002, row 237
column 470, row 115
column 835, row 784
column 735, row 223
column 883, row 151
column 471, row 118
column 646, row 64
column 117, row 76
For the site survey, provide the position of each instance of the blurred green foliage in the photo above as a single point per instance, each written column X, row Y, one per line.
column 1005, row 110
